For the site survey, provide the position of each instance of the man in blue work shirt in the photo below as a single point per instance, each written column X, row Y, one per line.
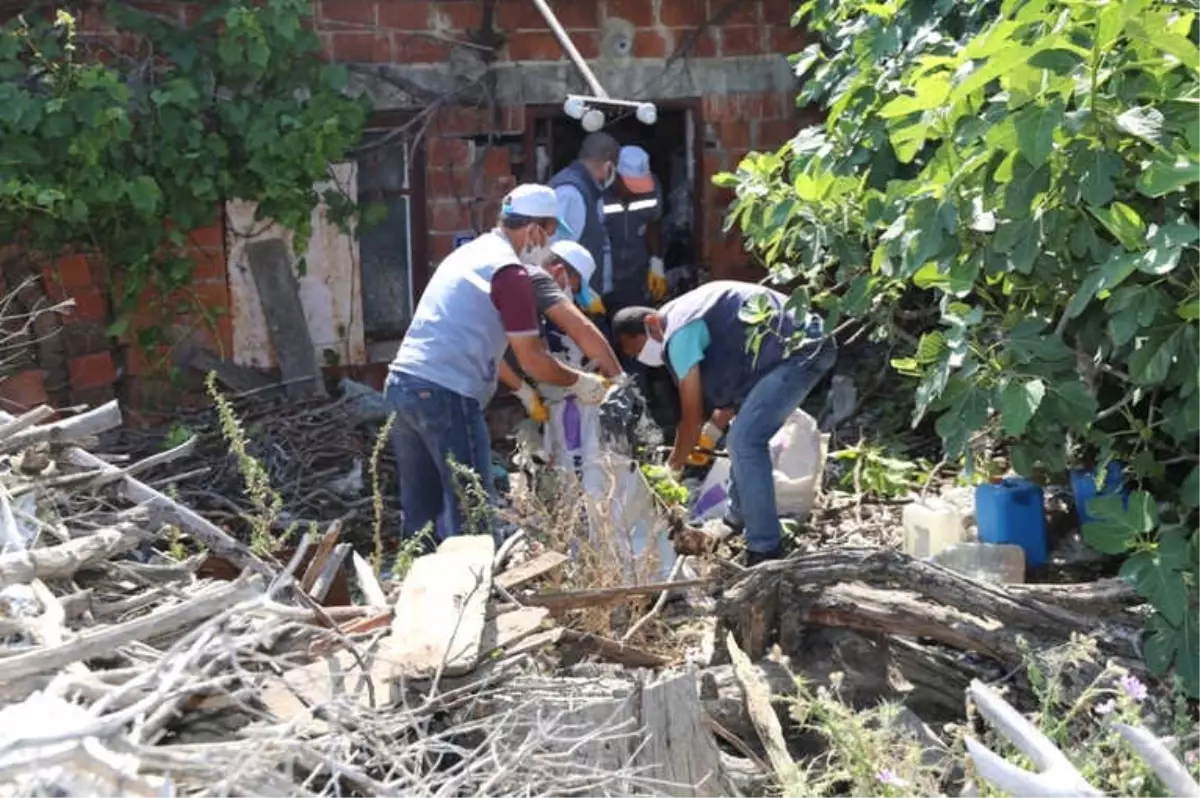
column 632, row 211
column 580, row 190
column 702, row 340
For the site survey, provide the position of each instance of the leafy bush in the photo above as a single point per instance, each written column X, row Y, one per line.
column 122, row 154
column 1023, row 174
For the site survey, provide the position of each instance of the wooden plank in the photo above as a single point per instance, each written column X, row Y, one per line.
column 279, row 294
column 549, row 637
column 526, row 572
column 328, row 540
column 238, row 379
column 299, row 694
column 678, row 750
column 440, row 615
column 510, row 627
column 762, row 714
column 368, row 583
column 578, row 599
column 618, row 652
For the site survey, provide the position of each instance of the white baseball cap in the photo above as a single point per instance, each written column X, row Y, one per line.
column 534, row 201
column 633, row 165
column 578, row 258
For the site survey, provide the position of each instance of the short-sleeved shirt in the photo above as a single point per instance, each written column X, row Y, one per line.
column 687, row 346
column 513, row 296
column 546, row 294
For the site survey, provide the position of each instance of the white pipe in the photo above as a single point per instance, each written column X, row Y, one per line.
column 569, row 48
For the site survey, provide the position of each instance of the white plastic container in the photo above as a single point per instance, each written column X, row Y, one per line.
column 930, row 525
column 985, row 562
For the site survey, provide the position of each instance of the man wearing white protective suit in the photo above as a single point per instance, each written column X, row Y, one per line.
column 572, row 430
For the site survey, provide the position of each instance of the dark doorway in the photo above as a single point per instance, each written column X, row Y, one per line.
column 673, row 144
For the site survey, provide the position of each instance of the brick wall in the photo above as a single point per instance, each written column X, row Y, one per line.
column 464, row 181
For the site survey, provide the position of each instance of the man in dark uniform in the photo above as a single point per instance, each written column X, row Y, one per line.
column 580, row 190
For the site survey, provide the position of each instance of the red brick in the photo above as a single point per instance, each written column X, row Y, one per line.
column 74, row 271
column 459, row 120
column 779, row 106
column 778, row 12
column 650, row 44
column 405, row 14
column 448, row 216
column 587, row 43
column 638, row 12
column 23, row 391
column 354, row 12
column 448, row 183
column 703, row 45
column 714, row 162
column 445, row 151
column 740, row 13
column 459, row 15
column 735, row 135
column 512, row 118
column 90, row 305
column 91, row 371
column 208, row 266
column 497, row 162
column 573, row 15
column 413, row 48
column 786, row 40
column 772, row 134
column 534, row 46
column 360, row 48
column 742, row 40
column 717, row 108
column 440, row 247
column 681, row 13
column 211, row 236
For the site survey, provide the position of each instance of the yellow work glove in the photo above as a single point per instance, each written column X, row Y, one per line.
column 596, row 308
column 534, row 406
column 709, row 435
column 590, row 388
column 656, row 280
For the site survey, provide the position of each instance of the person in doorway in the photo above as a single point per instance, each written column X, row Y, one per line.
column 701, row 339
column 572, row 429
column 479, row 301
column 632, row 213
column 580, row 189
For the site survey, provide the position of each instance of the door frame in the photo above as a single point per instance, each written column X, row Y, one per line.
column 535, row 113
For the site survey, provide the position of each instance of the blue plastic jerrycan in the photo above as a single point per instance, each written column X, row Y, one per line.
column 1083, row 486
column 1012, row 511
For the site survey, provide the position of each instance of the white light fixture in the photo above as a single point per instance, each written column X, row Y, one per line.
column 647, row 114
column 575, row 107
column 593, row 120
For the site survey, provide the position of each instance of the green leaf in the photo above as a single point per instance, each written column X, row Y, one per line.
column 1098, row 169
column 1027, row 183
column 1114, row 527
column 1151, row 362
column 1168, row 645
column 1035, row 131
column 1124, row 223
column 1018, row 402
column 1144, row 123
column 1189, row 492
column 1162, row 175
column 1159, row 584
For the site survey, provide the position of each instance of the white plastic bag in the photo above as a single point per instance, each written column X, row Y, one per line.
column 571, row 441
column 798, row 453
column 636, row 520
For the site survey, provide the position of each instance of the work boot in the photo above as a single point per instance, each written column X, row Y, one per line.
column 754, row 558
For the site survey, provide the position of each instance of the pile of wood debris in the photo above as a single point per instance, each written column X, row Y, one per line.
column 127, row 671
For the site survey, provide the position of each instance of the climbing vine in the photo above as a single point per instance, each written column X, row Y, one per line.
column 120, row 152
column 1022, row 174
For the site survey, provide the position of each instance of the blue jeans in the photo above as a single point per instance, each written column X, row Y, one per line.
column 432, row 425
column 764, row 411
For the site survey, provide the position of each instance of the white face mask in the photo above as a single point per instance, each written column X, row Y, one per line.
column 652, row 353
column 612, row 177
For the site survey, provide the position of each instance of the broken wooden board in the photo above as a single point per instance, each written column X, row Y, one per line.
column 279, row 294
column 238, row 379
column 440, row 614
column 526, row 572
column 302, row 695
column 616, row 651
column 679, row 751
column 594, row 597
column 762, row 714
column 506, row 628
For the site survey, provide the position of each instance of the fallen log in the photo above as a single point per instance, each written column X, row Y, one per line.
column 898, row 595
